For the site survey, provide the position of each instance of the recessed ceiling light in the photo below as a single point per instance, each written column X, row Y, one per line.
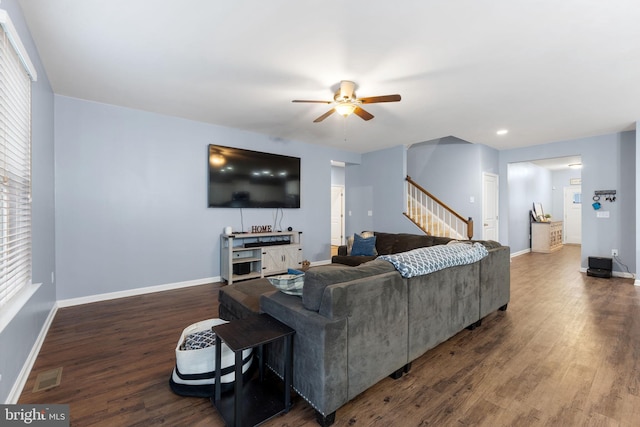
column 502, row 132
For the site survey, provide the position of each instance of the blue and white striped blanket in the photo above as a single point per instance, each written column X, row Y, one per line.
column 422, row 261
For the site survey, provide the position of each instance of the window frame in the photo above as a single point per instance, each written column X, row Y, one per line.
column 16, row 76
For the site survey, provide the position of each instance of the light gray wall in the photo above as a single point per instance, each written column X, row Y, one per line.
column 377, row 186
column 19, row 336
column 131, row 198
column 337, row 175
column 527, row 184
column 605, row 166
column 451, row 169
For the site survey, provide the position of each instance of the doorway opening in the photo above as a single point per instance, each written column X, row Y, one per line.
column 556, row 186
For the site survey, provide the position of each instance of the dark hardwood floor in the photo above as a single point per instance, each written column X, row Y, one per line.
column 565, row 353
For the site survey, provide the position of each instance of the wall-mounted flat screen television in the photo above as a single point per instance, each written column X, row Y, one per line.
column 241, row 178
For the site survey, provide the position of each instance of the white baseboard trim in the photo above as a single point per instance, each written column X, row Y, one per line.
column 133, row 292
column 522, row 252
column 23, row 376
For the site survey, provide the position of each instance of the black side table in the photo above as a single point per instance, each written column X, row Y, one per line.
column 259, row 399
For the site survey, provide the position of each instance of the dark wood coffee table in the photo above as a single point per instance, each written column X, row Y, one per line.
column 260, row 399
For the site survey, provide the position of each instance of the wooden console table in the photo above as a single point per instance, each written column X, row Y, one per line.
column 245, row 256
column 546, row 237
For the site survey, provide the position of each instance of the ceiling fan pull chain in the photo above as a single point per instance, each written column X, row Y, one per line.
column 345, row 128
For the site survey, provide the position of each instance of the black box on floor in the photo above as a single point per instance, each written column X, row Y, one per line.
column 602, row 263
column 600, row 267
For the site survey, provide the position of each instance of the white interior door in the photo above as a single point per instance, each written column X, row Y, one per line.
column 573, row 214
column 337, row 215
column 490, row 206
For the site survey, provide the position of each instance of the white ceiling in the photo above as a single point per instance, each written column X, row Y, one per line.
column 558, row 163
column 547, row 70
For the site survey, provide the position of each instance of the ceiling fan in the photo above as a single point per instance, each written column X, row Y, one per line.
column 345, row 102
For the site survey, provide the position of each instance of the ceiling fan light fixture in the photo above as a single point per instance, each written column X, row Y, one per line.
column 345, row 102
column 345, row 109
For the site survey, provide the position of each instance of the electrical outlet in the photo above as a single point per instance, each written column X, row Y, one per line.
column 614, row 252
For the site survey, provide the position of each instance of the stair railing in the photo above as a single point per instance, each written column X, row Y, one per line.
column 433, row 216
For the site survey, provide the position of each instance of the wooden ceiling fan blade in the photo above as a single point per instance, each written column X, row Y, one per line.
column 315, row 102
column 384, row 98
column 324, row 116
column 364, row 115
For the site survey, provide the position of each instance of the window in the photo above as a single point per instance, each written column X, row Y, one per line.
column 15, row 162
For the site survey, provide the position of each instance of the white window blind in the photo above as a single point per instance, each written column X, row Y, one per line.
column 15, row 166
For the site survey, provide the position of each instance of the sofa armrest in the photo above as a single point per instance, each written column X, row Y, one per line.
column 495, row 280
column 342, row 250
column 319, row 351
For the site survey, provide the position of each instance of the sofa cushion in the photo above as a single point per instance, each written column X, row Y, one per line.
column 363, row 246
column 393, row 243
column 385, row 242
column 351, row 239
column 318, row 278
column 409, row 242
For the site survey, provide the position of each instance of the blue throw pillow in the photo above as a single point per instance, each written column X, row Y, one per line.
column 363, row 246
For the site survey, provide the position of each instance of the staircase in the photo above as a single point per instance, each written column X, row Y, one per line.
column 434, row 217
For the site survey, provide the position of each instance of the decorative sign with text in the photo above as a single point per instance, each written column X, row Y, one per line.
column 261, row 229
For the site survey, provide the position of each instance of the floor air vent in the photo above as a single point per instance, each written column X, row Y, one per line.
column 48, row 379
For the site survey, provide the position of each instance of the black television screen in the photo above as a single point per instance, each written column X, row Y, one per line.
column 241, row 178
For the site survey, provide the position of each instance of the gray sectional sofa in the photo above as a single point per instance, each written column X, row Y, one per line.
column 356, row 325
